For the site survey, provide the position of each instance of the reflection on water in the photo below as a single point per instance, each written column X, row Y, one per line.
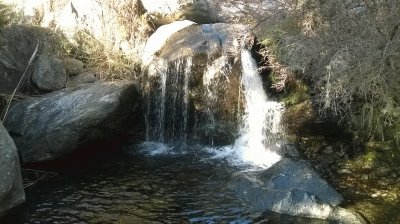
column 135, row 188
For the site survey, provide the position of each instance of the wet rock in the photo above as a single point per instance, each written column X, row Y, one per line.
column 292, row 187
column 53, row 125
column 49, row 73
column 11, row 189
column 167, row 11
column 73, row 66
column 199, row 70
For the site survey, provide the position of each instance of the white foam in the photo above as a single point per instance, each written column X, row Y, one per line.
column 260, row 123
column 156, row 148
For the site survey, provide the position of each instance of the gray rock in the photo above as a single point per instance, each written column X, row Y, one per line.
column 49, row 73
column 167, row 11
column 207, row 57
column 8, row 80
column 73, row 66
column 11, row 188
column 55, row 124
column 291, row 187
column 82, row 78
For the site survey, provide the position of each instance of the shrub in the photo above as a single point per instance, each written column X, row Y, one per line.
column 349, row 51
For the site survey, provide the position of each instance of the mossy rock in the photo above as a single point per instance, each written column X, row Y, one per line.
column 299, row 117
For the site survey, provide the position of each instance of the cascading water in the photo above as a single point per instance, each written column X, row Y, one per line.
column 172, row 116
column 168, row 99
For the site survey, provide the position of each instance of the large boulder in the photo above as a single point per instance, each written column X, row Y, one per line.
column 193, row 82
column 11, row 188
column 167, row 11
column 292, row 187
column 53, row 125
column 118, row 25
column 49, row 73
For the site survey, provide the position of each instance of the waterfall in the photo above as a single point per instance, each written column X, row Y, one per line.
column 167, row 87
column 172, row 115
column 261, row 120
column 257, row 143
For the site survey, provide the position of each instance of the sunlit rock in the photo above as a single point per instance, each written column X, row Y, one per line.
column 294, row 188
column 55, row 124
column 167, row 11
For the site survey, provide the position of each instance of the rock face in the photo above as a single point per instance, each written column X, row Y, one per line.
column 53, row 125
column 292, row 187
column 82, row 78
column 193, row 80
column 73, row 66
column 11, row 189
column 49, row 73
column 157, row 40
column 103, row 20
column 167, row 11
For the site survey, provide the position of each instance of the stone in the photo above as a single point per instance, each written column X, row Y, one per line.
column 207, row 56
column 167, row 11
column 49, row 73
column 73, row 66
column 103, row 20
column 55, row 124
column 11, row 189
column 82, row 78
column 157, row 40
column 291, row 187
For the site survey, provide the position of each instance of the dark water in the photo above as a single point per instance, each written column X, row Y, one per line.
column 134, row 188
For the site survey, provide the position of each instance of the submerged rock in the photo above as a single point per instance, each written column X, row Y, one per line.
column 167, row 11
column 53, row 125
column 292, row 187
column 11, row 189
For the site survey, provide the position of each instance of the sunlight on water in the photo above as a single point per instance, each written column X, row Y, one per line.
column 260, row 122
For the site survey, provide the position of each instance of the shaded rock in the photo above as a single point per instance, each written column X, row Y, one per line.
column 293, row 188
column 55, row 124
column 167, row 11
column 11, row 189
column 49, row 73
column 73, row 66
column 82, row 78
column 8, row 80
column 299, row 117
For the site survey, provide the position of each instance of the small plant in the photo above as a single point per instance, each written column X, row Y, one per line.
column 6, row 14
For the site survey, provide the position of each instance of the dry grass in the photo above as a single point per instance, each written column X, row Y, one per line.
column 102, row 57
column 350, row 52
column 6, row 14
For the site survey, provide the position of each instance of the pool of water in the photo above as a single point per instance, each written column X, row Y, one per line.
column 135, row 188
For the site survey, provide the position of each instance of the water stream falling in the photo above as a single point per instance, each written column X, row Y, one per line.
column 169, row 111
column 257, row 143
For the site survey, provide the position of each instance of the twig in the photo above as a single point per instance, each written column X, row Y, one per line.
column 20, row 80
